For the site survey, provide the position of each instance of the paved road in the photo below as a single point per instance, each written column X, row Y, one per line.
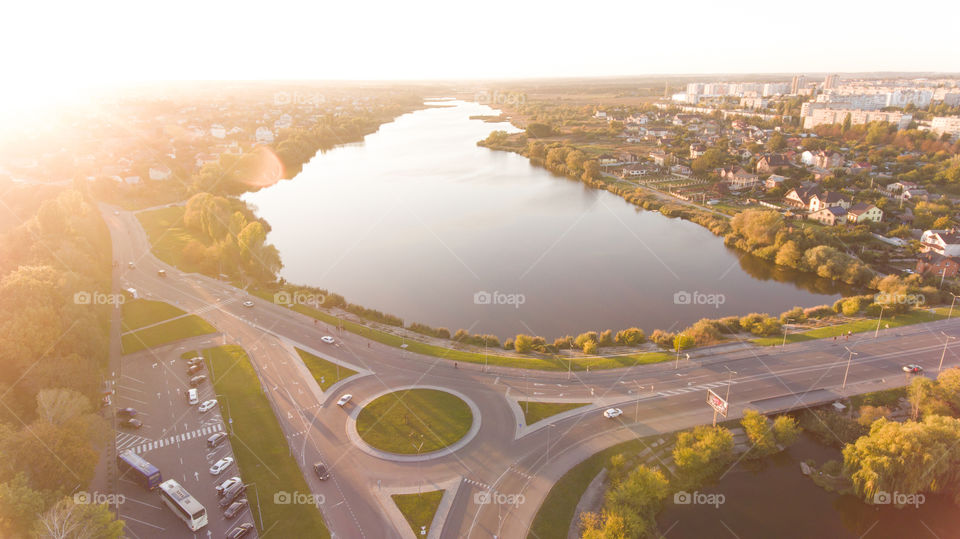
column 505, row 457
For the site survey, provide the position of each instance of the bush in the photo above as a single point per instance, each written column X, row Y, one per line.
column 820, row 311
column 508, row 344
column 590, row 347
column 663, row 339
column 793, row 316
column 606, row 338
column 523, row 343
column 630, row 337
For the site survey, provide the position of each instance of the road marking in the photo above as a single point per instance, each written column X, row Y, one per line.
column 127, row 498
column 125, row 517
column 132, row 378
column 157, row 444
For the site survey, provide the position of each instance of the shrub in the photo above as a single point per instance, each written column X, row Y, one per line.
column 663, row 339
column 630, row 337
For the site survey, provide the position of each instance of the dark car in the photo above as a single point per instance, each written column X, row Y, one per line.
column 131, row 423
column 194, row 369
column 235, row 508
column 126, row 412
column 231, row 494
column 197, row 380
column 240, row 531
column 321, row 471
column 216, row 439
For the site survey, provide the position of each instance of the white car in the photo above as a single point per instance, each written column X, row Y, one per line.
column 344, row 399
column 912, row 369
column 207, row 405
column 221, row 465
column 222, row 487
column 327, row 339
column 611, row 413
column 248, row 304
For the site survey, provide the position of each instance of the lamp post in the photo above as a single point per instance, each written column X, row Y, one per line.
column 877, row 331
column 256, row 492
column 944, row 354
column 950, row 312
column 786, row 328
column 636, row 415
column 419, row 475
column 679, row 342
column 849, row 358
column 549, row 428
column 729, row 381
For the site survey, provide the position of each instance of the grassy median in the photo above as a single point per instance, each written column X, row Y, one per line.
column 401, row 421
column 419, row 509
column 167, row 332
column 538, row 411
column 326, row 373
column 139, row 313
column 260, row 448
column 917, row 316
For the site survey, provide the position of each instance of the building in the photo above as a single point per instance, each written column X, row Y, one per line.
column 942, row 242
column 828, row 199
column 696, row 150
column 831, row 82
column 828, row 216
column 797, row 83
column 661, row 159
column 800, row 196
column 946, row 124
column 862, row 212
column 772, row 163
column 827, row 160
column 160, row 173
column 830, row 116
column 773, row 182
column 264, row 135
column 939, row 265
column 739, row 179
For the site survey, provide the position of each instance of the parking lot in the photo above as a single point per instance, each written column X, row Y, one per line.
column 174, row 439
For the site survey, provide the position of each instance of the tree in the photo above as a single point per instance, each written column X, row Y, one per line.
column 539, row 130
column 786, row 430
column 776, row 142
column 682, row 342
column 57, row 406
column 758, row 227
column 789, row 255
column 523, row 343
column 758, row 431
column 591, row 170
column 630, row 337
column 67, row 520
column 702, row 453
column 710, row 160
column 19, row 506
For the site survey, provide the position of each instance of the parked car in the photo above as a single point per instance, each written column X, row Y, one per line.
column 321, row 470
column 126, row 412
column 197, row 380
column 130, row 265
column 193, row 396
column 216, row 439
column 131, row 423
column 611, row 413
column 235, row 508
column 240, row 531
column 226, row 484
column 231, row 494
column 248, row 304
column 162, row 273
column 344, row 399
column 327, row 339
column 912, row 368
column 195, row 361
column 207, row 405
column 221, row 465
column 194, row 369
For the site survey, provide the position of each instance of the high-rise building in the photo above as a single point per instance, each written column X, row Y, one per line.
column 798, row 82
column 831, row 82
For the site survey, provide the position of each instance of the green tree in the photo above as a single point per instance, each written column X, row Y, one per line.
column 19, row 506
column 630, row 337
column 682, row 342
column 702, row 453
column 79, row 521
column 523, row 343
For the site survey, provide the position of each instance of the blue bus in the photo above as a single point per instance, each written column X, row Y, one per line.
column 135, row 467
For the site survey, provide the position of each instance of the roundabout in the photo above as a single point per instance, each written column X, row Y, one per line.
column 414, row 423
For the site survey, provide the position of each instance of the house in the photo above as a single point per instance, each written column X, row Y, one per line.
column 828, row 216
column 637, row 169
column 827, row 199
column 740, row 179
column 936, row 264
column 942, row 242
column 626, row 157
column 807, row 158
column 858, row 168
column 204, row 158
column 160, row 173
column 828, row 160
column 911, row 194
column 607, row 160
column 696, row 150
column 218, row 131
column 772, row 163
column 132, row 180
column 774, row 181
column 660, row 158
column 820, row 174
column 264, row 135
column 681, row 170
column 600, row 115
column 862, row 212
column 897, row 188
column 800, row 197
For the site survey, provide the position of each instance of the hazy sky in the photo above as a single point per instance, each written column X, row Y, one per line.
column 56, row 46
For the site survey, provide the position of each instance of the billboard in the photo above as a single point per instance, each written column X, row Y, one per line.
column 717, row 403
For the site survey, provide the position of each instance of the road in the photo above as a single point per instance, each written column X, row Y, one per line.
column 504, row 456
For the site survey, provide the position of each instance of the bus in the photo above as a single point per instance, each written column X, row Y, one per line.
column 135, row 467
column 183, row 504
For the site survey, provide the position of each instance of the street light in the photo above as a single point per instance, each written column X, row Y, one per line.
column 729, row 381
column 951, row 305
column 679, row 342
column 256, row 492
column 636, row 416
column 849, row 358
column 947, row 340
column 877, row 331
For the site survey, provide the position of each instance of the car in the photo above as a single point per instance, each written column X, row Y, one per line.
column 162, row 273
column 105, row 401
column 216, row 439
column 221, row 465
column 235, row 508
column 226, row 484
column 912, row 368
column 193, row 396
column 194, row 361
column 344, row 399
column 207, row 405
column 321, row 470
column 611, row 413
column 231, row 494
column 197, row 380
column 116, row 212
column 248, row 304
column 127, row 412
column 327, row 339
column 130, row 265
column 240, row 531
column 194, row 369
column 131, row 423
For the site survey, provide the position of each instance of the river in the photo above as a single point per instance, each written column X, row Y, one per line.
column 420, row 222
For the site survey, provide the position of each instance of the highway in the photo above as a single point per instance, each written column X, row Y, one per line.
column 503, row 456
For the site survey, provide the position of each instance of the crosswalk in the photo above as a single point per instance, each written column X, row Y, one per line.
column 140, row 444
column 701, row 387
column 212, row 306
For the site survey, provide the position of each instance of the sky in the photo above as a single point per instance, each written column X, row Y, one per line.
column 54, row 49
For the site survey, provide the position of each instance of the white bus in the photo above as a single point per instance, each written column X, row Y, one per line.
column 183, row 504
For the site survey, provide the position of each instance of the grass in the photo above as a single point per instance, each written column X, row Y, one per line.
column 259, row 446
column 174, row 330
column 400, row 421
column 144, row 312
column 553, row 363
column 324, row 372
column 536, row 411
column 917, row 316
column 419, row 509
column 168, row 236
